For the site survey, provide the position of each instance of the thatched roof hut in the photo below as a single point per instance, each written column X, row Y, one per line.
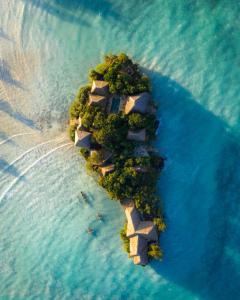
column 139, row 233
column 135, row 226
column 138, row 245
column 100, row 87
column 107, row 169
column 100, row 157
column 148, row 230
column 133, row 219
column 82, row 139
column 137, row 103
column 138, row 136
column 97, row 100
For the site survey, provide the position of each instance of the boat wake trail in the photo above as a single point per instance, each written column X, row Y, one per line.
column 30, row 150
column 13, row 136
column 29, row 168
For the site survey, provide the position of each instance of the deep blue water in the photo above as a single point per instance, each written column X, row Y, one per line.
column 190, row 49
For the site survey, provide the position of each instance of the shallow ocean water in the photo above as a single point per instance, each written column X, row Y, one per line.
column 190, row 49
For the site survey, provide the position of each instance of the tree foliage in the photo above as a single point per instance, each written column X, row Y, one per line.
column 123, row 76
column 154, row 251
column 136, row 121
column 161, row 226
column 121, row 183
column 88, row 116
column 78, row 105
column 71, row 131
column 112, row 131
column 84, row 152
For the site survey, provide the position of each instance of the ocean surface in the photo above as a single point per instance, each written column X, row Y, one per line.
column 191, row 51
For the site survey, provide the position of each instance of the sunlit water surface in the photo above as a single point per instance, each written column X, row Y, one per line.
column 190, row 49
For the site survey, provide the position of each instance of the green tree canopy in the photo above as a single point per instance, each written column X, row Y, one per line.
column 123, row 76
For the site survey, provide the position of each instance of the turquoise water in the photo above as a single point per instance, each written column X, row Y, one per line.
column 190, row 49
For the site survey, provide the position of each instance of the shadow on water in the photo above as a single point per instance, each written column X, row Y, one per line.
column 72, row 11
column 6, row 108
column 6, row 168
column 4, row 136
column 200, row 187
column 6, row 76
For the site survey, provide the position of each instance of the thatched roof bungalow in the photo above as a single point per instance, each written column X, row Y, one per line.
column 138, row 245
column 100, row 87
column 133, row 219
column 100, row 157
column 139, row 233
column 137, row 103
column 135, row 226
column 138, row 136
column 82, row 139
column 148, row 230
column 97, row 100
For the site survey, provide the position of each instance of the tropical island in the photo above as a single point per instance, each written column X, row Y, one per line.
column 113, row 122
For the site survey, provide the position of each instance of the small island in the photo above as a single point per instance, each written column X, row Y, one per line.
column 113, row 122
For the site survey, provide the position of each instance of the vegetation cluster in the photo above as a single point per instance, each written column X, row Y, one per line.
column 133, row 177
column 123, row 76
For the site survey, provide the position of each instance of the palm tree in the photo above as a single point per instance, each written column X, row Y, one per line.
column 154, row 251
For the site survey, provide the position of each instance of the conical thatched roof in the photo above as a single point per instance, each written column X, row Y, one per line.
column 137, row 103
column 138, row 245
column 147, row 229
column 139, row 233
column 97, row 100
column 133, row 219
column 101, row 156
column 82, row 139
column 100, row 87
